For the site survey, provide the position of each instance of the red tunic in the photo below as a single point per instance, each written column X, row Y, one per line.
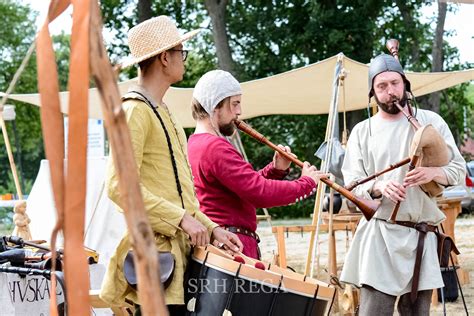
column 229, row 190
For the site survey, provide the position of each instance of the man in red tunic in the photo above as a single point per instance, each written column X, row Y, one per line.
column 228, row 188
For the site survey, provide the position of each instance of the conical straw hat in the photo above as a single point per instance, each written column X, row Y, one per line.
column 152, row 37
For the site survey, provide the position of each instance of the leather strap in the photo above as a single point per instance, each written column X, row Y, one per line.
column 422, row 229
column 70, row 200
column 418, row 226
column 416, row 270
column 52, row 127
column 243, row 231
column 143, row 98
column 75, row 260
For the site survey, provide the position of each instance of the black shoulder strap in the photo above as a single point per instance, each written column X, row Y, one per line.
column 143, row 98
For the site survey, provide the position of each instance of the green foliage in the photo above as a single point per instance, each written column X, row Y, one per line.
column 303, row 133
column 16, row 35
column 401, row 21
column 470, row 92
column 456, row 100
column 271, row 37
column 6, row 221
column 61, row 45
column 416, row 40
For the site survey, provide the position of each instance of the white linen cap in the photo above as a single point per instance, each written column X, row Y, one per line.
column 213, row 87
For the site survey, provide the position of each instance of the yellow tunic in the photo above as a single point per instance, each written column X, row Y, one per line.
column 160, row 196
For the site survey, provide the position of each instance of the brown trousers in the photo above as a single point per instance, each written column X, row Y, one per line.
column 373, row 302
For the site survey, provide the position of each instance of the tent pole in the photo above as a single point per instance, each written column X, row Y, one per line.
column 2, row 122
column 10, row 158
column 324, row 167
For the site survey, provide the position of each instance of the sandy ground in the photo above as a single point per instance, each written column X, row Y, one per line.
column 297, row 246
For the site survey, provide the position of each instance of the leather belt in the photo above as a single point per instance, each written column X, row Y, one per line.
column 243, row 231
column 422, row 228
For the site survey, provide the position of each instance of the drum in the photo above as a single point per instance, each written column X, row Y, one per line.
column 219, row 284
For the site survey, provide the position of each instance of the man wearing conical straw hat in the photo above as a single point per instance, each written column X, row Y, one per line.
column 159, row 145
column 395, row 253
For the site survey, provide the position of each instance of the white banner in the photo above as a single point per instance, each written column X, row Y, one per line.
column 28, row 295
column 95, row 137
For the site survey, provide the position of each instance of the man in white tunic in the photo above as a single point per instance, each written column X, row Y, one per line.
column 381, row 259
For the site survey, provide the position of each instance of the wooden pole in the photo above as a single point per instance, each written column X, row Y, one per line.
column 10, row 157
column 53, row 129
column 10, row 88
column 332, row 259
column 324, row 167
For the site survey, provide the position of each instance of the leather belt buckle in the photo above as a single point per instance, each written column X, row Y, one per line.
column 243, row 231
column 421, row 227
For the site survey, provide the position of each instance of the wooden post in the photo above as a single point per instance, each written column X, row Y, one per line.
column 349, row 224
column 332, row 257
column 281, row 246
column 2, row 122
column 10, row 157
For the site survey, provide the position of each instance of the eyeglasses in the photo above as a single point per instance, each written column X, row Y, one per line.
column 184, row 52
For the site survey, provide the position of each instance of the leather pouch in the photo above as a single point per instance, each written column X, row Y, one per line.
column 445, row 246
column 167, row 265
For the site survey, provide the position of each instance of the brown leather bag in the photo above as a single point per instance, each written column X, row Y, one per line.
column 445, row 246
column 166, row 264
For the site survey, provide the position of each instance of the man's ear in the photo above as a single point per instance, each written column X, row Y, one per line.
column 408, row 94
column 164, row 58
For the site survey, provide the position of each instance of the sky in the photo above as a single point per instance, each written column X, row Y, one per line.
column 460, row 22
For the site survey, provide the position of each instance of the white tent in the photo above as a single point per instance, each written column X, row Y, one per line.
column 305, row 90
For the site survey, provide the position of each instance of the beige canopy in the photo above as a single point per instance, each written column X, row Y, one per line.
column 305, row 90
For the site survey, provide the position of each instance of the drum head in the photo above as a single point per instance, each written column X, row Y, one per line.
column 218, row 285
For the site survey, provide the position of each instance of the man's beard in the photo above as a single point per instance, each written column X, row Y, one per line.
column 227, row 129
column 390, row 107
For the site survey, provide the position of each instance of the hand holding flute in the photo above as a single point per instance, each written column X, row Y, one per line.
column 367, row 207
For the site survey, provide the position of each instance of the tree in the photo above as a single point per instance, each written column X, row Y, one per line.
column 269, row 37
column 217, row 10
column 423, row 48
column 437, row 53
column 144, row 10
column 16, row 35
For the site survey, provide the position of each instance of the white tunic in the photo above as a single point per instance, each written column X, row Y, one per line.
column 382, row 255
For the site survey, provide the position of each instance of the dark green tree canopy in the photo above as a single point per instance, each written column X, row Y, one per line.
column 270, row 37
column 266, row 38
column 16, row 35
